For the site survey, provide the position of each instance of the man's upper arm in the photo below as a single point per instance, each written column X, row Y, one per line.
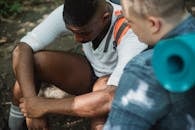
column 46, row 31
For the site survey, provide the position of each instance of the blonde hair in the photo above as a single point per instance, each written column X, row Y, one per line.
column 162, row 8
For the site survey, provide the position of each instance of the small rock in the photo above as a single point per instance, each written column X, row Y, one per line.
column 51, row 91
column 3, row 40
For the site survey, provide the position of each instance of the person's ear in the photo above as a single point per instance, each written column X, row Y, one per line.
column 106, row 16
column 154, row 24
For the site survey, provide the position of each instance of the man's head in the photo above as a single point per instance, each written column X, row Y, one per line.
column 152, row 19
column 85, row 18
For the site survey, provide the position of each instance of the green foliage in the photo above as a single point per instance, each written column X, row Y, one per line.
column 35, row 1
column 14, row 7
column 9, row 7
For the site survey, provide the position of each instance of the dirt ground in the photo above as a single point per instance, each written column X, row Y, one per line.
column 12, row 29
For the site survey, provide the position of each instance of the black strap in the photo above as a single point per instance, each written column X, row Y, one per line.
column 108, row 38
column 110, row 33
column 120, row 31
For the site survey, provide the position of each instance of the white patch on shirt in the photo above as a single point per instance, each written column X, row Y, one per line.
column 138, row 96
column 191, row 121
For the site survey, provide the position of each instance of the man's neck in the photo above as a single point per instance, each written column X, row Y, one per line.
column 96, row 42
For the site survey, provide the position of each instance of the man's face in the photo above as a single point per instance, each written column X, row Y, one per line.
column 87, row 32
column 140, row 26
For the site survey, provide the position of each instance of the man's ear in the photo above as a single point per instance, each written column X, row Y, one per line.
column 106, row 16
column 154, row 24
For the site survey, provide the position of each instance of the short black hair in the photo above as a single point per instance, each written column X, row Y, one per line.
column 79, row 12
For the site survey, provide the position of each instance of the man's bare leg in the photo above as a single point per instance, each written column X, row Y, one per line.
column 61, row 69
column 16, row 118
column 70, row 72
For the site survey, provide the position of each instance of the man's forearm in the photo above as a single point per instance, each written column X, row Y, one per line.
column 23, row 66
column 88, row 105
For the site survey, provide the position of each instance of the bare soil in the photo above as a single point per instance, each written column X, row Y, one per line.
column 12, row 29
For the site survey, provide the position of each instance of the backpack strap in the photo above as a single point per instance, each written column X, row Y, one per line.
column 119, row 29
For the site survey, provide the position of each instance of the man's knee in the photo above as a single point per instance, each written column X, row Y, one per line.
column 107, row 96
column 17, row 52
column 101, row 83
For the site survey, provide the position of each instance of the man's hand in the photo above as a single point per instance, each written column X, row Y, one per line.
column 36, row 123
column 33, row 107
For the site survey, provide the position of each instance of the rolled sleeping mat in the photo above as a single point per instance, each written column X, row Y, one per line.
column 174, row 62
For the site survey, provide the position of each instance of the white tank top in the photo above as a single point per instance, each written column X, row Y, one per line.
column 110, row 63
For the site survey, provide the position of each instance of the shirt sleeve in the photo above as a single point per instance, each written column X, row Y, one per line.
column 139, row 101
column 128, row 48
column 47, row 31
